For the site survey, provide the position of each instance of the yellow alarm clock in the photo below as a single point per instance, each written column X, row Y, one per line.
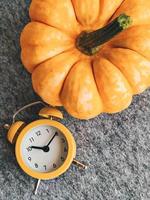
column 44, row 148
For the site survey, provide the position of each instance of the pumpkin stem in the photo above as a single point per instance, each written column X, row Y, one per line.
column 89, row 42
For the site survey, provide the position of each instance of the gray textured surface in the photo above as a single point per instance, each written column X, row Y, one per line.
column 116, row 147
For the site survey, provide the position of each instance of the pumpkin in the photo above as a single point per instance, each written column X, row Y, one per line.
column 86, row 55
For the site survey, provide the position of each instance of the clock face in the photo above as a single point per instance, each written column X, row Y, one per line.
column 44, row 148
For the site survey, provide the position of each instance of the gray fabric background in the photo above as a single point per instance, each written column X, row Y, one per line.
column 115, row 147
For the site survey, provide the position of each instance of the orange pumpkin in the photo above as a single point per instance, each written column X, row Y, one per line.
column 81, row 57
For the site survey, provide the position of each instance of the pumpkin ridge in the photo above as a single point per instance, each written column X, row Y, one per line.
column 103, row 22
column 110, row 19
column 92, row 64
column 45, row 75
column 96, row 21
column 79, row 110
column 77, row 6
column 35, row 66
column 53, row 57
column 117, row 66
column 137, row 9
column 59, row 29
column 132, row 50
column 57, row 13
column 75, row 14
column 126, row 77
column 105, row 108
column 118, row 69
column 66, row 78
column 124, row 40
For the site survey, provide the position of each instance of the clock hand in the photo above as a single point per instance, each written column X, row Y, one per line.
column 35, row 147
column 45, row 148
column 51, row 139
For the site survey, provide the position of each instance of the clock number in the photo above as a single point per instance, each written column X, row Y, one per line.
column 38, row 133
column 36, row 165
column 44, row 166
column 54, row 165
column 47, row 130
column 31, row 139
column 29, row 149
column 29, row 158
column 65, row 149
column 62, row 159
column 63, row 140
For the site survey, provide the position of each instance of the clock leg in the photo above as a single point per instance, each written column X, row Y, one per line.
column 37, row 187
column 79, row 164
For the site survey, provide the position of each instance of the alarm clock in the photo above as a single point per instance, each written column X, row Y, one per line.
column 44, row 148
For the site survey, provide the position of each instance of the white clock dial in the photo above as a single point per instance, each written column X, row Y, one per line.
column 44, row 148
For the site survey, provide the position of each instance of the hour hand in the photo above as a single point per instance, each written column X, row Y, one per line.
column 45, row 148
column 35, row 147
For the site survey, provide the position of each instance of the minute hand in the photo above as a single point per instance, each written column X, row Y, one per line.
column 52, row 139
